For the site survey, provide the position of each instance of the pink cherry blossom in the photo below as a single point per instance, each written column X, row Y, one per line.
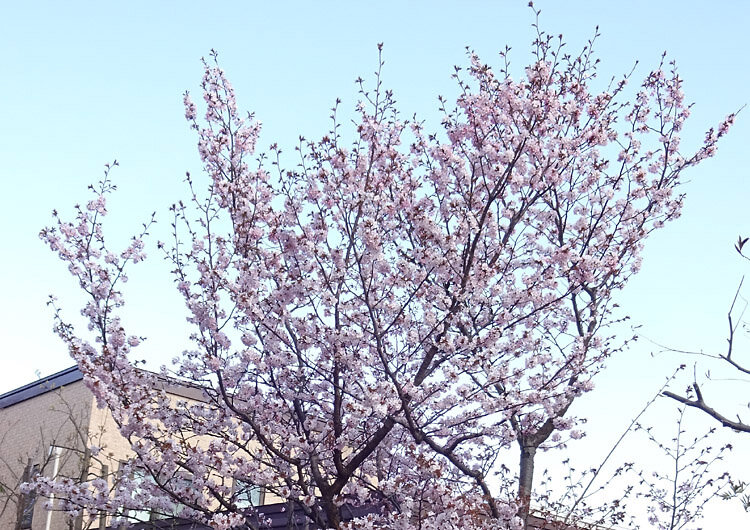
column 377, row 323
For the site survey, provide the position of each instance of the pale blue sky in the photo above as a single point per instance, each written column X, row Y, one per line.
column 85, row 83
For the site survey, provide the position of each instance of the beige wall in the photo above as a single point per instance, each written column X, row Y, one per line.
column 27, row 431
column 66, row 417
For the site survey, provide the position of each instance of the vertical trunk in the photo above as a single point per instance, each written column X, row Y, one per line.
column 23, row 500
column 333, row 517
column 83, row 477
column 529, row 442
column 526, row 479
column 103, row 515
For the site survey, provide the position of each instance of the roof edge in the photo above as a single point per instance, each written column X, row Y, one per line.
column 40, row 386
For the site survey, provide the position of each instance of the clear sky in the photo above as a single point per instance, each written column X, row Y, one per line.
column 84, row 83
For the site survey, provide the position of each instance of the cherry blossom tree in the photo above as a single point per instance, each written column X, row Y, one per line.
column 378, row 324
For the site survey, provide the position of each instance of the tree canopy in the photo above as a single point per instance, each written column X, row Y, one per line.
column 377, row 324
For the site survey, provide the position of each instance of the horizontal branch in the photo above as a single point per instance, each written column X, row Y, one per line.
column 702, row 405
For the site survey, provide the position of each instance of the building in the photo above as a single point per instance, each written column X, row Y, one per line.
column 46, row 427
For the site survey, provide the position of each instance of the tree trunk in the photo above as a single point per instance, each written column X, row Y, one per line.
column 333, row 517
column 526, row 479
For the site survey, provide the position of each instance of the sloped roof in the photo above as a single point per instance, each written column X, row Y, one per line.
column 41, row 386
column 171, row 385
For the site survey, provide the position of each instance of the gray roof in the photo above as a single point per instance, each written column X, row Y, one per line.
column 185, row 389
column 41, row 386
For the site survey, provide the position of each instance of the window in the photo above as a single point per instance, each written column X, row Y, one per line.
column 145, row 481
column 179, row 483
column 140, row 476
column 247, row 495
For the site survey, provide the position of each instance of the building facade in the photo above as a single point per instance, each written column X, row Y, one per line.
column 47, row 428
